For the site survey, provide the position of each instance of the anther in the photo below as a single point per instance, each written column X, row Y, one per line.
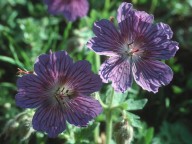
column 130, row 43
column 111, row 19
column 23, row 72
column 62, row 89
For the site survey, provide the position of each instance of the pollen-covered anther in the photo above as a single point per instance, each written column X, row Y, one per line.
column 62, row 94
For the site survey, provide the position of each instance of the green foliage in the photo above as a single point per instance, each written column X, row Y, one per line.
column 144, row 135
column 136, row 104
column 88, row 132
column 173, row 133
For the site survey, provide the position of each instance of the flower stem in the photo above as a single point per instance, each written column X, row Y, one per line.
column 109, row 121
column 67, row 30
column 96, row 134
column 98, row 61
column 109, row 124
column 100, row 100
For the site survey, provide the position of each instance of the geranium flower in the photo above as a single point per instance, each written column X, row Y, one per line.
column 71, row 9
column 60, row 90
column 134, row 50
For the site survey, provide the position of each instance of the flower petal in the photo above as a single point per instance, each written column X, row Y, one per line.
column 31, row 91
column 82, row 109
column 150, row 74
column 144, row 17
column 158, row 44
column 124, row 11
column 49, row 119
column 118, row 71
column 107, row 40
column 132, row 21
column 71, row 9
column 63, row 64
column 82, row 79
column 134, row 27
column 53, row 66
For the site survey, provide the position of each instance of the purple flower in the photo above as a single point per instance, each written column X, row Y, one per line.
column 71, row 9
column 60, row 90
column 134, row 50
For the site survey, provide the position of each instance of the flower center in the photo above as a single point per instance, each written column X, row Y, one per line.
column 132, row 50
column 63, row 94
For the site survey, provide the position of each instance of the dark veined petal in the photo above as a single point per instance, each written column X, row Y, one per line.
column 163, row 30
column 62, row 63
column 49, row 119
column 42, row 68
column 151, row 74
column 71, row 9
column 52, row 66
column 134, row 27
column 31, row 91
column 158, row 44
column 118, row 71
column 144, row 17
column 124, row 11
column 82, row 79
column 132, row 23
column 107, row 40
column 81, row 110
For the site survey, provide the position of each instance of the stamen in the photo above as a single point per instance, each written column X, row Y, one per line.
column 111, row 19
column 63, row 95
column 130, row 43
column 23, row 72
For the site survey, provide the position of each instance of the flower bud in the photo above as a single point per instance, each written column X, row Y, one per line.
column 18, row 128
column 123, row 132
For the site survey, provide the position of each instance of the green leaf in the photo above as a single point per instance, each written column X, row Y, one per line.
column 174, row 133
column 149, row 135
column 136, row 104
column 123, row 105
column 134, row 120
column 88, row 132
column 177, row 90
column 119, row 98
column 7, row 59
column 8, row 85
column 10, row 60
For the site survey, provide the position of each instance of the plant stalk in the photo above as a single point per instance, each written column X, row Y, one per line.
column 96, row 134
column 109, row 120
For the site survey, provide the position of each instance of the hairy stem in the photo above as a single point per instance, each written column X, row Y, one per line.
column 98, row 61
column 96, row 134
column 109, row 121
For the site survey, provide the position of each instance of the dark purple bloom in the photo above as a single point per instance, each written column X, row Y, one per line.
column 71, row 9
column 134, row 50
column 60, row 90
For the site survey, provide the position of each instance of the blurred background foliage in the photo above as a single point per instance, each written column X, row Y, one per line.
column 27, row 30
